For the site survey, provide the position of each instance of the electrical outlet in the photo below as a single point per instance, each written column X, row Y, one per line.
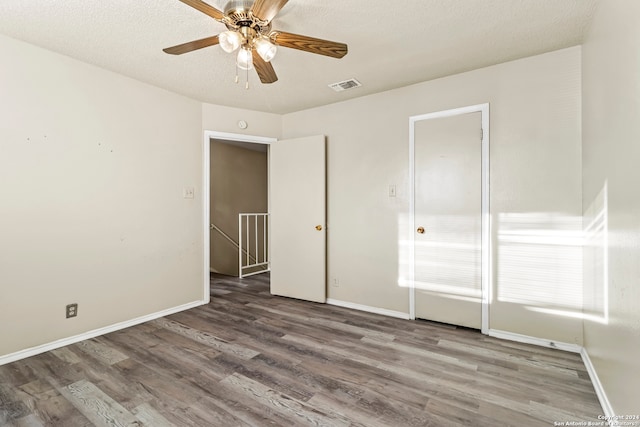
column 72, row 310
column 335, row 282
column 188, row 193
column 392, row 190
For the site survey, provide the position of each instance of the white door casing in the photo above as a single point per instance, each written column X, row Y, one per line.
column 206, row 185
column 449, row 216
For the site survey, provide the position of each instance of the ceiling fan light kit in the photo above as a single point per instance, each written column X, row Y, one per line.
column 244, row 60
column 230, row 41
column 249, row 32
column 265, row 48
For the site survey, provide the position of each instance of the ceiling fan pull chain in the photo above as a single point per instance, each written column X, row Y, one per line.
column 246, row 86
column 237, row 78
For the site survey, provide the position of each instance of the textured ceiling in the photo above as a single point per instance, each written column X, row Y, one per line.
column 391, row 43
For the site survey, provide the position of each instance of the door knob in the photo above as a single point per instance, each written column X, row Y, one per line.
column 319, row 227
column 420, row 230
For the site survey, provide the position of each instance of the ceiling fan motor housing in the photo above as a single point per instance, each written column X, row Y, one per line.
column 237, row 14
column 237, row 5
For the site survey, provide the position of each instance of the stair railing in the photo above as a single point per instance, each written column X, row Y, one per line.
column 230, row 239
column 253, row 245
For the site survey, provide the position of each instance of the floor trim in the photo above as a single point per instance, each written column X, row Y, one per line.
column 369, row 309
column 23, row 354
column 573, row 348
column 510, row 336
column 597, row 385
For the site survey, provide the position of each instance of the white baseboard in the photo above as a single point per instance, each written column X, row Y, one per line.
column 607, row 409
column 573, row 348
column 597, row 385
column 369, row 309
column 23, row 354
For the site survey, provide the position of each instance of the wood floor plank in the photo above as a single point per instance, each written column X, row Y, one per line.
column 352, row 412
column 177, row 399
column 206, row 338
column 150, row 416
column 48, row 406
column 332, row 324
column 297, row 411
column 424, row 354
column 249, row 358
column 66, row 355
column 94, row 404
column 101, row 351
column 29, row 421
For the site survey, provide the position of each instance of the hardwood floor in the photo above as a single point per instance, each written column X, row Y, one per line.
column 249, row 358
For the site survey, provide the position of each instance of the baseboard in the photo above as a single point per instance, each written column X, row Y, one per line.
column 597, row 385
column 607, row 409
column 369, row 309
column 573, row 348
column 23, row 354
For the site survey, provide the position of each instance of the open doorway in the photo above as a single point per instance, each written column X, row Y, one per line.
column 297, row 213
column 238, row 185
column 238, row 201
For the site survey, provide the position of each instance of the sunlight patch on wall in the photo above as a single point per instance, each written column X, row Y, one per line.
column 447, row 256
column 596, row 259
column 539, row 260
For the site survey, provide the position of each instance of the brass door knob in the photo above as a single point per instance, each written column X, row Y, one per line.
column 319, row 227
column 420, row 230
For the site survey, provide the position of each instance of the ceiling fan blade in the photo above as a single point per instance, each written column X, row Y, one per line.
column 310, row 44
column 204, row 8
column 264, row 69
column 266, row 10
column 191, row 46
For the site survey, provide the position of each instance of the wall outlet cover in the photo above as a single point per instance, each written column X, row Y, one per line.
column 71, row 310
column 188, row 192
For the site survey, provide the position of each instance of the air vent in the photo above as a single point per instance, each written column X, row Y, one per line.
column 345, row 85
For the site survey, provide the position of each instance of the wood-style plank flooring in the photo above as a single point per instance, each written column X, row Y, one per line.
column 249, row 358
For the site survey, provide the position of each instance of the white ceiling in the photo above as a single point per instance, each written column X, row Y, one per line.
column 391, row 43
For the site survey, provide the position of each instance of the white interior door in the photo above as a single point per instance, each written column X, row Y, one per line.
column 297, row 214
column 448, row 219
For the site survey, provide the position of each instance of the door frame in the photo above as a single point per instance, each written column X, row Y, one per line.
column 206, row 186
column 485, row 247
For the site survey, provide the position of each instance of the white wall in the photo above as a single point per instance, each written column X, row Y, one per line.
column 611, row 106
column 92, row 168
column 535, row 189
column 225, row 119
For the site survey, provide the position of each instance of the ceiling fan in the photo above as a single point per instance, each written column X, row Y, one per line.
column 249, row 32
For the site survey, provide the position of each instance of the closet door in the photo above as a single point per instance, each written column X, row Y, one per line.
column 448, row 219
